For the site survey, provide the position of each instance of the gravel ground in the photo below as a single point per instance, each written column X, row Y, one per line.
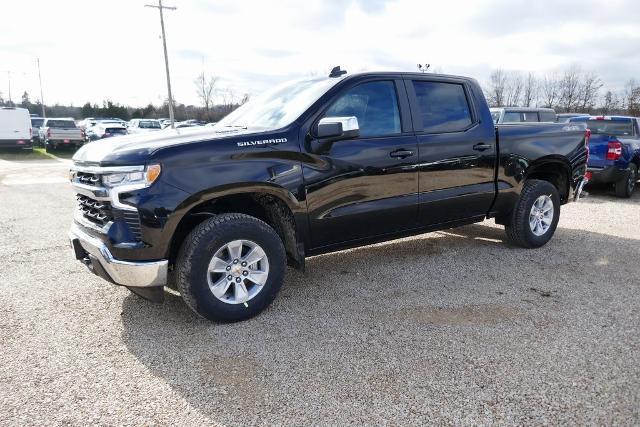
column 452, row 327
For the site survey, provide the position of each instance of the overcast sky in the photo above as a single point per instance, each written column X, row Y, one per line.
column 92, row 50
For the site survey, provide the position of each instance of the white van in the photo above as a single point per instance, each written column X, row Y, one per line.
column 15, row 128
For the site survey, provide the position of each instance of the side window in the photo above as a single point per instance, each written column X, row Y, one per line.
column 530, row 117
column 375, row 105
column 547, row 116
column 443, row 106
column 512, row 117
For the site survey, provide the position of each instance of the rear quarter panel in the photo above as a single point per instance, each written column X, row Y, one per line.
column 525, row 147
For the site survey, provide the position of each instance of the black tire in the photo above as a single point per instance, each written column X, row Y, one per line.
column 47, row 147
column 519, row 231
column 627, row 185
column 200, row 246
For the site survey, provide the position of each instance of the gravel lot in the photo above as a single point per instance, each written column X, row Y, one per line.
column 451, row 327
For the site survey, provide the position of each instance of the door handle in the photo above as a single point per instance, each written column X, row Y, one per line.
column 401, row 153
column 481, row 146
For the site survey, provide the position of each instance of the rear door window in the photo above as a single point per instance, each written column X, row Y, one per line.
column 547, row 116
column 443, row 106
column 530, row 117
column 512, row 117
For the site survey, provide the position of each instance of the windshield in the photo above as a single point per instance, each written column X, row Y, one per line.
column 611, row 127
column 36, row 123
column 279, row 106
column 61, row 124
column 149, row 124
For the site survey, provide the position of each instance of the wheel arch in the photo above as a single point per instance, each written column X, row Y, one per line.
column 272, row 204
column 557, row 171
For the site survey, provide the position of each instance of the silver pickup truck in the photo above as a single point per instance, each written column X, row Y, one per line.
column 56, row 133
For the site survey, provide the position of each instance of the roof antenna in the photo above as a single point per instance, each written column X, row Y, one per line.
column 337, row 72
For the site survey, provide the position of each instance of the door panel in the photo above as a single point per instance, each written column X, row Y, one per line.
column 358, row 190
column 456, row 154
column 366, row 186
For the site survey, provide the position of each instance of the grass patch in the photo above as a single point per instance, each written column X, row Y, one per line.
column 60, row 153
column 15, row 154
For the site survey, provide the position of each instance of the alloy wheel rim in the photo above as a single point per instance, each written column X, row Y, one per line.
column 541, row 215
column 238, row 271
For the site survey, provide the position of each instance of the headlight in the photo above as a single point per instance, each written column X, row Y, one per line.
column 146, row 177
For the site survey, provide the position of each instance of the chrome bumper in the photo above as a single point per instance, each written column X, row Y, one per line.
column 90, row 251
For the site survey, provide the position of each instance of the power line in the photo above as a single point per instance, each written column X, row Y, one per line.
column 160, row 7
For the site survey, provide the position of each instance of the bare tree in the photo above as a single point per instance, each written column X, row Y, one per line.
column 570, row 89
column 631, row 97
column 513, row 89
column 588, row 93
column 610, row 103
column 530, row 91
column 205, row 87
column 550, row 90
column 496, row 88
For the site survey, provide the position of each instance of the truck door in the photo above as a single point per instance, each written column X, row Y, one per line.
column 457, row 150
column 368, row 185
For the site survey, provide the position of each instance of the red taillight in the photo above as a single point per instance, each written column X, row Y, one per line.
column 600, row 118
column 588, row 176
column 48, row 133
column 587, row 136
column 615, row 150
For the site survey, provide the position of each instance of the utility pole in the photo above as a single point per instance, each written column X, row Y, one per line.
column 41, row 97
column 160, row 7
column 9, row 76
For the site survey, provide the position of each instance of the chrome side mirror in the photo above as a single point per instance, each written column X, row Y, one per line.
column 338, row 128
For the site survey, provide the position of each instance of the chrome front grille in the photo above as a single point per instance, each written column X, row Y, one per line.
column 97, row 211
column 88, row 178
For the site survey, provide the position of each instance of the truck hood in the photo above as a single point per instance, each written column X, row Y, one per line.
column 136, row 148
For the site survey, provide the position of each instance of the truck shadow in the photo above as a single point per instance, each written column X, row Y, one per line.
column 389, row 324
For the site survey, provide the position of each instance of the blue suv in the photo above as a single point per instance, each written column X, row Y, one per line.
column 614, row 151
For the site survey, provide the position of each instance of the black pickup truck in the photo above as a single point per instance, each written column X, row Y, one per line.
column 310, row 167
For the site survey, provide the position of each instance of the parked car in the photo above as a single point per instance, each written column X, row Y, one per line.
column 36, row 124
column 61, row 132
column 15, row 128
column 565, row 117
column 106, row 129
column 614, row 151
column 310, row 167
column 187, row 124
column 143, row 126
column 522, row 115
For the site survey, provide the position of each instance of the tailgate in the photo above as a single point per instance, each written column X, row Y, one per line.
column 70, row 134
column 598, row 147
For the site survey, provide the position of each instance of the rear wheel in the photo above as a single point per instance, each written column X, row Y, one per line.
column 230, row 267
column 48, row 147
column 627, row 185
column 535, row 217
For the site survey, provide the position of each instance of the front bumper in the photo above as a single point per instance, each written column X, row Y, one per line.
column 96, row 256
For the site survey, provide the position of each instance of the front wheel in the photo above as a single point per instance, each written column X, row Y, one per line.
column 230, row 267
column 627, row 185
column 535, row 217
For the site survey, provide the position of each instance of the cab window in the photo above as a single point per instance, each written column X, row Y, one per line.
column 374, row 104
column 443, row 106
